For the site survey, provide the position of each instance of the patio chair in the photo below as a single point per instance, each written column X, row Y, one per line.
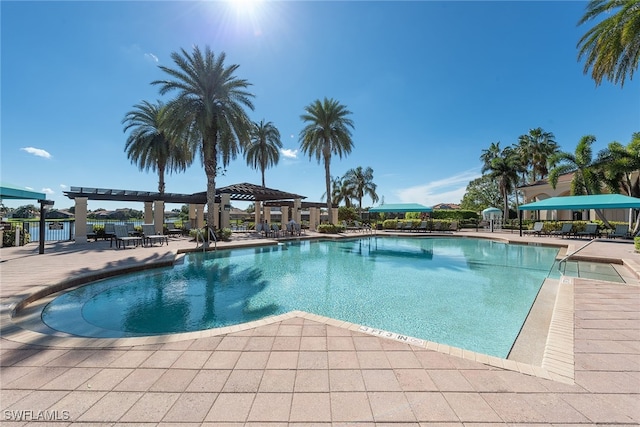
column 622, row 231
column 590, row 230
column 109, row 231
column 566, row 230
column 172, row 230
column 437, row 226
column 537, row 229
column 453, row 226
column 408, row 226
column 423, row 227
column 150, row 235
column 91, row 234
column 122, row 237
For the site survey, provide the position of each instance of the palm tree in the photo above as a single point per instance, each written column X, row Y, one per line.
column 264, row 148
column 620, row 163
column 536, row 148
column 150, row 145
column 327, row 132
column 489, row 154
column 361, row 183
column 340, row 192
column 587, row 172
column 505, row 169
column 210, row 108
column 611, row 47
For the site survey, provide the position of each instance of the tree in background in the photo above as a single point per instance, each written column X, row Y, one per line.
column 505, row 169
column 340, row 192
column 327, row 132
column 209, row 110
column 611, row 48
column 150, row 144
column 535, row 149
column 621, row 166
column 360, row 183
column 480, row 194
column 263, row 150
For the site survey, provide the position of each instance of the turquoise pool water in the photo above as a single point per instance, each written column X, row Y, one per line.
column 469, row 293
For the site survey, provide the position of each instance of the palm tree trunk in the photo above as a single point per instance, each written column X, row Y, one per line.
column 327, row 179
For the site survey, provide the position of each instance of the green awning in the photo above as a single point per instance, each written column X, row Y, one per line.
column 596, row 201
column 401, row 207
column 12, row 192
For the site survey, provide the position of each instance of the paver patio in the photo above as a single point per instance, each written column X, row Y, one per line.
column 303, row 370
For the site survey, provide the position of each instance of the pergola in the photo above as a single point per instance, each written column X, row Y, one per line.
column 196, row 201
column 17, row 193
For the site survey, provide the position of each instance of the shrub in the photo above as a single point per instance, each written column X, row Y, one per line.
column 330, row 229
column 636, row 243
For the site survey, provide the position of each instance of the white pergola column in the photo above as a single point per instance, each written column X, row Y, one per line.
column 313, row 218
column 256, row 212
column 334, row 215
column 267, row 214
column 284, row 215
column 192, row 215
column 199, row 216
column 225, row 201
column 148, row 212
column 158, row 216
column 297, row 211
column 81, row 220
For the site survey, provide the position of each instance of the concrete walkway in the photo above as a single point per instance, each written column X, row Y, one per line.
column 303, row 370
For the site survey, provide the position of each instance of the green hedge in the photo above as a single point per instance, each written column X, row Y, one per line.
column 330, row 229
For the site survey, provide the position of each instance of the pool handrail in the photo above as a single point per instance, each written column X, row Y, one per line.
column 566, row 258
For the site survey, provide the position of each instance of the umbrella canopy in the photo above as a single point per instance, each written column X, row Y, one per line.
column 401, row 207
column 595, row 201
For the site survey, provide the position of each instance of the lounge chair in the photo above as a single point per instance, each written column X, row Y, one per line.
column 537, row 229
column 423, row 226
column 590, row 230
column 622, row 231
column 109, row 231
column 408, row 226
column 453, row 226
column 172, row 230
column 91, row 234
column 566, row 230
column 437, row 226
column 122, row 237
column 150, row 235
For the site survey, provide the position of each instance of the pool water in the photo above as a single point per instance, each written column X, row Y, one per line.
column 469, row 293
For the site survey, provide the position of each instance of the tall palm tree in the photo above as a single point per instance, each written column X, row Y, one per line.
column 611, row 48
column 210, row 107
column 505, row 169
column 536, row 148
column 151, row 146
column 489, row 154
column 327, row 132
column 587, row 171
column 264, row 149
column 361, row 183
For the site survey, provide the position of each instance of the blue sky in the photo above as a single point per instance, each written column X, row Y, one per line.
column 430, row 85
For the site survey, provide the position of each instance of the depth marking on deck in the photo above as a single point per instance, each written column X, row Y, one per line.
column 392, row 335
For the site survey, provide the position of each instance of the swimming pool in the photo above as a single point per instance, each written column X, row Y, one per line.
column 469, row 293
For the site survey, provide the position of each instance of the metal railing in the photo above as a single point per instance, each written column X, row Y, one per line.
column 566, row 258
column 212, row 236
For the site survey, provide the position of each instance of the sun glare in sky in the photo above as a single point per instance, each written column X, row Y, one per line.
column 247, row 12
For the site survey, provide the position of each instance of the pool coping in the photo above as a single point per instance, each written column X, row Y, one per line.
column 557, row 364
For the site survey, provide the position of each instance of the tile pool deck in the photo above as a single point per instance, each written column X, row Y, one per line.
column 302, row 370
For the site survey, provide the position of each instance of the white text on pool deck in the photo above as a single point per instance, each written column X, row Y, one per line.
column 392, row 335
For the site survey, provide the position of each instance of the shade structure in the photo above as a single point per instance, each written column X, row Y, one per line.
column 401, row 207
column 13, row 192
column 596, row 201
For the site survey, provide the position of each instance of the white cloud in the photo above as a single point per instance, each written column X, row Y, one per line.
column 151, row 57
column 48, row 191
column 446, row 190
column 288, row 153
column 37, row 152
column 63, row 186
column 29, row 188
